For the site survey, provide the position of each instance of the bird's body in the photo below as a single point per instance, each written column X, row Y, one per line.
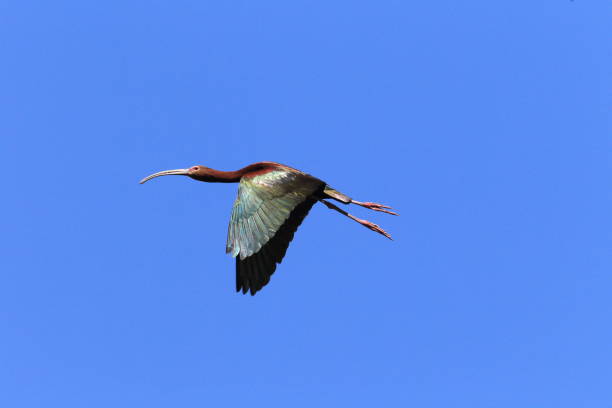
column 273, row 200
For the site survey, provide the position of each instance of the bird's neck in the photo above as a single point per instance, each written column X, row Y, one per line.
column 218, row 176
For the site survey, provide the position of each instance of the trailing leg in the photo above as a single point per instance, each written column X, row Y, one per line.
column 365, row 223
column 343, row 198
column 375, row 207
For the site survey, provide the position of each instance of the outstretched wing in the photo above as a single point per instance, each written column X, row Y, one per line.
column 265, row 203
column 253, row 272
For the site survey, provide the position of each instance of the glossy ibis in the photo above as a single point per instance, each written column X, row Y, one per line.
column 272, row 201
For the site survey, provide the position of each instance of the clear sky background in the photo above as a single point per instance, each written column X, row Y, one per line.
column 485, row 123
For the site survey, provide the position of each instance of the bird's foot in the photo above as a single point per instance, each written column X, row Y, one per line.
column 373, row 227
column 375, row 207
column 367, row 224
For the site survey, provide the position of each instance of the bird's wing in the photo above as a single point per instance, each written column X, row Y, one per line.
column 263, row 204
column 253, row 272
column 266, row 214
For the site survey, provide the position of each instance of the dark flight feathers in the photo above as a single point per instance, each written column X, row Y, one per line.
column 253, row 272
column 267, row 212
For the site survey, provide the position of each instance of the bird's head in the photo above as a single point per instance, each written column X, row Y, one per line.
column 196, row 172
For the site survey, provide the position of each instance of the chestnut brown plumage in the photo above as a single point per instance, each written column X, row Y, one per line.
column 273, row 200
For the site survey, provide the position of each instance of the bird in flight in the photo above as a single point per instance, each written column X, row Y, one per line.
column 273, row 200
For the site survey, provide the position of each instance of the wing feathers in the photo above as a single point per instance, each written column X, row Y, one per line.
column 267, row 211
column 257, row 268
column 263, row 204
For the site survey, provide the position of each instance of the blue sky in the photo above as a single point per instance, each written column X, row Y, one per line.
column 485, row 123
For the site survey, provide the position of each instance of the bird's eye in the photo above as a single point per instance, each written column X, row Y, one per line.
column 196, row 168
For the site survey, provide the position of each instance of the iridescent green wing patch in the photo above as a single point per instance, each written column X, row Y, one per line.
column 263, row 204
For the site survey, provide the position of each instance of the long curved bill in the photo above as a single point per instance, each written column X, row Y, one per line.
column 177, row 172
